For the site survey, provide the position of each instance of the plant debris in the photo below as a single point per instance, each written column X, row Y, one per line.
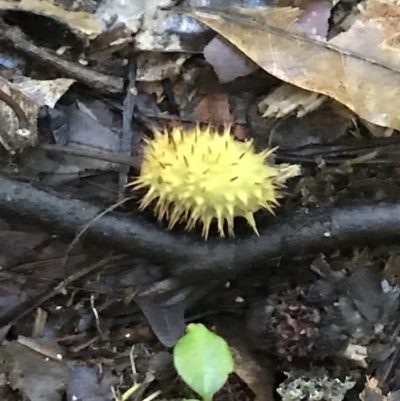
column 96, row 290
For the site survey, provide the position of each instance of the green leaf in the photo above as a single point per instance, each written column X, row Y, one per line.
column 203, row 360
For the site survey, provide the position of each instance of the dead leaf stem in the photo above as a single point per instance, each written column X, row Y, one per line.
column 20, row 114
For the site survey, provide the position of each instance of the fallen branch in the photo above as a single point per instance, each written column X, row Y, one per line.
column 186, row 254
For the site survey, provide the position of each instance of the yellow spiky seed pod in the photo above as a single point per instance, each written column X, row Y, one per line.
column 199, row 175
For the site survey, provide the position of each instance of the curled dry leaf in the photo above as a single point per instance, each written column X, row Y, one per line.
column 359, row 68
column 29, row 95
column 12, row 137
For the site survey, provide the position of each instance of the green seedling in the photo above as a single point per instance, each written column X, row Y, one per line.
column 203, row 360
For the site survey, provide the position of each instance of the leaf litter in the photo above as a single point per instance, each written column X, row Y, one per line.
column 92, row 320
column 352, row 67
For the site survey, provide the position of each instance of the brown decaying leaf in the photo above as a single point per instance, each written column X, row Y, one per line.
column 257, row 377
column 214, row 108
column 257, row 374
column 359, row 68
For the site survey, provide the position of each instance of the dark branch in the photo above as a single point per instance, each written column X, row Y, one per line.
column 186, row 254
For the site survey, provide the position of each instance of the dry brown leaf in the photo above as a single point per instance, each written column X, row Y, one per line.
column 214, row 108
column 257, row 374
column 257, row 377
column 359, row 68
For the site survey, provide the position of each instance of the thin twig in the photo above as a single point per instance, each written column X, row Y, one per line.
column 119, row 158
column 127, row 131
column 20, row 114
